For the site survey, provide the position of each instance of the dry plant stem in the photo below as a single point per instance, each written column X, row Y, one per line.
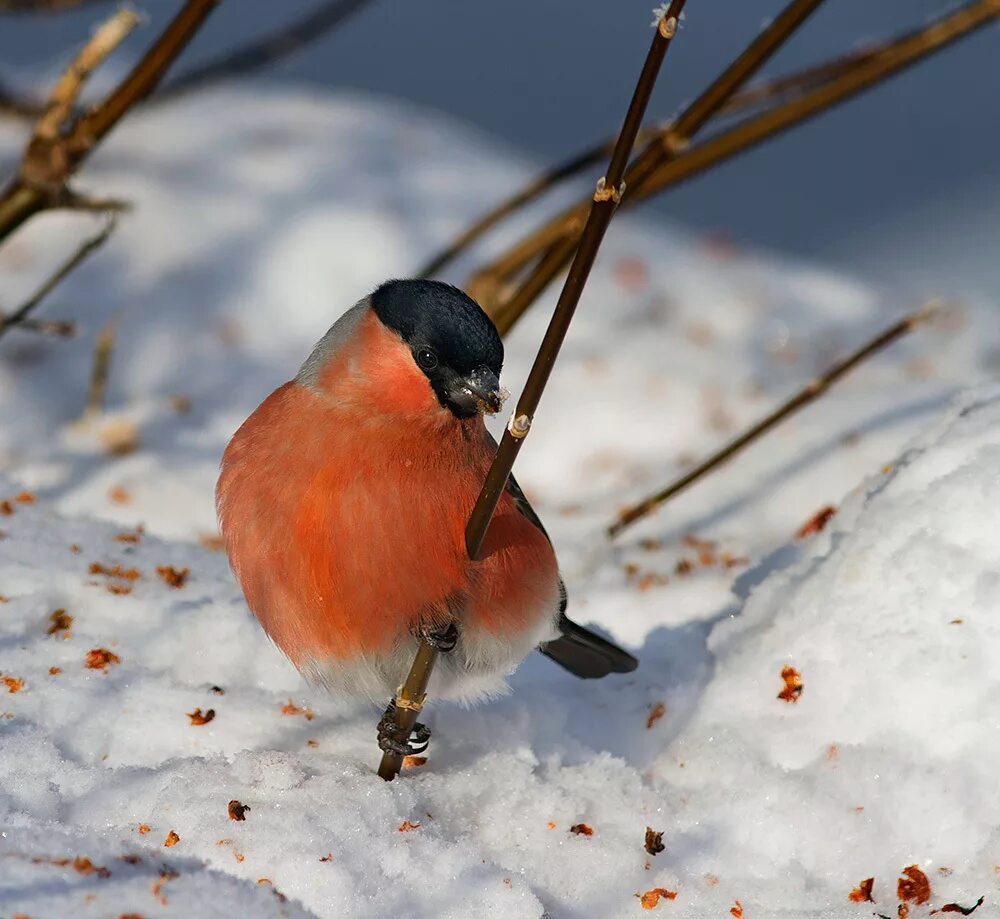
column 57, row 328
column 751, row 97
column 48, row 165
column 409, row 702
column 676, row 166
column 758, row 53
column 67, row 89
column 606, row 198
column 281, row 43
column 531, row 192
column 20, row 315
column 888, row 61
column 812, row 391
column 103, row 349
column 763, row 91
column 560, row 241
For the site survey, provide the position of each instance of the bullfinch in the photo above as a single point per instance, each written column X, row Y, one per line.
column 343, row 501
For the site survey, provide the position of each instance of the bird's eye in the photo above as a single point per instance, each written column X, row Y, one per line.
column 427, row 359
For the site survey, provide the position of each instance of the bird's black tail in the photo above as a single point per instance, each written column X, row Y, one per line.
column 585, row 654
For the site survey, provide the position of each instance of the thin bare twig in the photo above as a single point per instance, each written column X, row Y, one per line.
column 607, row 196
column 66, row 92
column 20, row 316
column 100, row 369
column 57, row 328
column 789, row 84
column 49, row 162
column 886, row 62
column 64, row 96
column 284, row 42
column 674, row 161
column 812, row 391
column 778, row 88
column 557, row 239
column 531, row 192
column 74, row 201
column 259, row 53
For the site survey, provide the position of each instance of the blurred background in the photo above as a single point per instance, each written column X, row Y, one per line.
column 889, row 186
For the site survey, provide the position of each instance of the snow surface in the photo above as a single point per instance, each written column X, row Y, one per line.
column 260, row 216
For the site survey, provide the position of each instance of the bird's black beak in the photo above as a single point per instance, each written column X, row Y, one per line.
column 478, row 392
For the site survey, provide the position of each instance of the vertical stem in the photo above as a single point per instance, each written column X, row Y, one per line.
column 606, row 198
column 667, row 162
column 103, row 349
column 409, row 701
column 661, row 148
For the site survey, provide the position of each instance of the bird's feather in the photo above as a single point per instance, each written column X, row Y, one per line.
column 579, row 650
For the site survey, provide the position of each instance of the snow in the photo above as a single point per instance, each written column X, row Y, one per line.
column 262, row 215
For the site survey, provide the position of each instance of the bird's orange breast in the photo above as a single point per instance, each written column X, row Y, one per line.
column 346, row 530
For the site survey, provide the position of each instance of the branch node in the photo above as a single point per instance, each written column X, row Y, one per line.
column 519, row 426
column 411, row 705
column 673, row 143
column 105, row 39
column 603, row 193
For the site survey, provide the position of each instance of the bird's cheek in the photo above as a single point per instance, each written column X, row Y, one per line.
column 399, row 389
column 389, row 380
column 410, row 397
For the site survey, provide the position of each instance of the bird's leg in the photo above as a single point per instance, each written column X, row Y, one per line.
column 394, row 739
column 390, row 740
column 442, row 639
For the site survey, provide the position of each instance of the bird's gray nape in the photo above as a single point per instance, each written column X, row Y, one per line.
column 336, row 337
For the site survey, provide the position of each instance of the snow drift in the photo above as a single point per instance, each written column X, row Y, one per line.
column 808, row 713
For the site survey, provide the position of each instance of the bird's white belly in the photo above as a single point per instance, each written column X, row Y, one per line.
column 476, row 669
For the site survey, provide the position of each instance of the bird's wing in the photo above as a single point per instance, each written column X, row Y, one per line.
column 520, row 501
column 579, row 650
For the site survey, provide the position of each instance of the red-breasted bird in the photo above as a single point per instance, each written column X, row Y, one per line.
column 343, row 501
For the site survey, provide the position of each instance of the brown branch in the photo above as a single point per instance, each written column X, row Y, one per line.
column 754, row 95
column 57, row 328
column 262, row 52
column 20, row 316
column 104, row 348
column 605, row 200
column 66, row 92
column 283, row 42
column 675, row 162
column 888, row 61
column 49, row 163
column 74, row 201
column 531, row 192
column 561, row 233
column 779, row 88
column 811, row 392
column 52, row 115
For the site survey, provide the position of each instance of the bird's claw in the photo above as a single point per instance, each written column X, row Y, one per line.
column 441, row 639
column 390, row 739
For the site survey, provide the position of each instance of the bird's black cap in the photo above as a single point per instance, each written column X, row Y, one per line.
column 443, row 318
